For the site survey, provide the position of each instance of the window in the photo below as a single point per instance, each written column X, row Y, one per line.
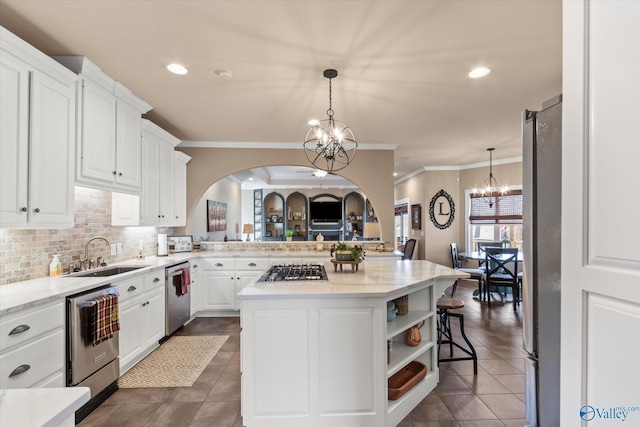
column 501, row 222
column 402, row 228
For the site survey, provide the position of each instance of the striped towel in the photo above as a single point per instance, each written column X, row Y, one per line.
column 107, row 319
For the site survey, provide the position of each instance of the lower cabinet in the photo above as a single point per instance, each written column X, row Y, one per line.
column 195, row 288
column 219, row 290
column 32, row 347
column 142, row 317
column 223, row 278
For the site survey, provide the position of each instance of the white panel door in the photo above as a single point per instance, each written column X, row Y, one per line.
column 600, row 349
column 51, row 152
column 150, row 190
column 14, row 141
column 218, row 289
column 128, row 146
column 97, row 160
column 130, row 335
column 167, row 184
column 154, row 317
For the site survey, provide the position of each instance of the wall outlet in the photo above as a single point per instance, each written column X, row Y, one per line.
column 119, row 247
column 113, row 249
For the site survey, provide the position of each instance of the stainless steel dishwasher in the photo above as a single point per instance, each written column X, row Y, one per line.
column 178, row 296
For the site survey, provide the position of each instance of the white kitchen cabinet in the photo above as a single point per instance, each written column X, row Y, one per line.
column 180, row 188
column 157, row 195
column 142, row 316
column 195, row 288
column 109, row 153
column 32, row 343
column 37, row 137
column 219, row 290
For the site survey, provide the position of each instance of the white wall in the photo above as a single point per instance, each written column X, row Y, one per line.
column 225, row 191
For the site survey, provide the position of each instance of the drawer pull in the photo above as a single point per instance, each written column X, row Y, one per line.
column 218, row 264
column 19, row 329
column 19, row 370
column 252, row 264
column 156, row 280
column 131, row 288
column 195, row 265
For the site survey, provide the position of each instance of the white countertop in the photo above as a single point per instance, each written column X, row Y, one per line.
column 373, row 279
column 18, row 296
column 40, row 407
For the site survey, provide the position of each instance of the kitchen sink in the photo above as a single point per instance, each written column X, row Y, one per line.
column 110, row 271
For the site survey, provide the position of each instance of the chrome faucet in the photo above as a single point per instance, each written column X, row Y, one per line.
column 83, row 261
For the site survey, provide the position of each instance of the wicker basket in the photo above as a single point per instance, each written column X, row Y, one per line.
column 402, row 304
column 405, row 379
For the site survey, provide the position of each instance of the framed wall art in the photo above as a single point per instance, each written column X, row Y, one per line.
column 216, row 216
column 416, row 217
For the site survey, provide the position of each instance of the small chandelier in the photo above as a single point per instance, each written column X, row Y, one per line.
column 330, row 144
column 490, row 191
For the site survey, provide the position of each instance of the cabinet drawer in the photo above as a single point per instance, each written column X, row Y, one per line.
column 17, row 328
column 251, row 264
column 130, row 288
column 218, row 264
column 38, row 359
column 153, row 280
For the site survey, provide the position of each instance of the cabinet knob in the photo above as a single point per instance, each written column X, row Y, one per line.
column 19, row 370
column 131, row 288
column 115, row 173
column 36, row 210
column 195, row 265
column 24, row 209
column 120, row 174
column 19, row 329
column 156, row 280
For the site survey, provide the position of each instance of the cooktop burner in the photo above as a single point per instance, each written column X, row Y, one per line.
column 291, row 272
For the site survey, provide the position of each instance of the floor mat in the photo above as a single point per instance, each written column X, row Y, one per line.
column 176, row 363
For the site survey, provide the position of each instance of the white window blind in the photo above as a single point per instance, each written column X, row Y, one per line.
column 506, row 209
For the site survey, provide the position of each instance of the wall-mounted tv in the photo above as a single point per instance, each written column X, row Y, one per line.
column 325, row 211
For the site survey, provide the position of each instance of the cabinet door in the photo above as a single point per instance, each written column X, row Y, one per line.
column 130, row 331
column 51, row 150
column 167, row 184
column 218, row 290
column 14, row 140
column 97, row 153
column 180, row 190
column 195, row 289
column 153, row 312
column 242, row 280
column 150, row 190
column 128, row 146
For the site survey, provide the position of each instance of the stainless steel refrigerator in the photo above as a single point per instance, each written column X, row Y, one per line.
column 542, row 173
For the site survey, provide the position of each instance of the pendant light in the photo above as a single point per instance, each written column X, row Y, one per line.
column 330, row 145
column 491, row 191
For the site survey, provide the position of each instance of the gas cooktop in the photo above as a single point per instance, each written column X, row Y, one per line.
column 294, row 272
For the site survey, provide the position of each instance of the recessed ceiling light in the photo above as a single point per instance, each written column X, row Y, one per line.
column 313, row 122
column 395, row 174
column 177, row 69
column 479, row 72
column 250, row 178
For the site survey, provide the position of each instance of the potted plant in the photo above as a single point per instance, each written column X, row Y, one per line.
column 288, row 234
column 346, row 253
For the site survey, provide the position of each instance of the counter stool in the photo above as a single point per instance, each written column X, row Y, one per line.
column 445, row 304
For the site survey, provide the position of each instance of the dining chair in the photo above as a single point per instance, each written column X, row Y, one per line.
column 502, row 272
column 476, row 273
column 480, row 248
column 409, row 246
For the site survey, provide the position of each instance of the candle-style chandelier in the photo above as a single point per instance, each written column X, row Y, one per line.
column 330, row 145
column 491, row 191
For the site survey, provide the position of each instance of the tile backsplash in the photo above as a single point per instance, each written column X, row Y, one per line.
column 26, row 254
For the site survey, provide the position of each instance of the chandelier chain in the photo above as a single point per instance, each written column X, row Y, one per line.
column 330, row 110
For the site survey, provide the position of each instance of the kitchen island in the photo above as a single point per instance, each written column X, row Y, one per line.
column 315, row 353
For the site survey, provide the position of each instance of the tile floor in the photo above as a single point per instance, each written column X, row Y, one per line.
column 493, row 398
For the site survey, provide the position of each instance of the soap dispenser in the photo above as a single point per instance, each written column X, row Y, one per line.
column 55, row 268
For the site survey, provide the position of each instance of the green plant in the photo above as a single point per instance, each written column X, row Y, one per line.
column 288, row 233
column 356, row 251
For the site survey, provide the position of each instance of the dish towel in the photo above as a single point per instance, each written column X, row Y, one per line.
column 107, row 319
column 183, row 283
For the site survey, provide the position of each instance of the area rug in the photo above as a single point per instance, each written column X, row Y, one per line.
column 176, row 363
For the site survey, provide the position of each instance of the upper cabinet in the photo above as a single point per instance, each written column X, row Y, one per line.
column 180, row 200
column 37, row 137
column 108, row 155
column 273, row 207
column 296, row 219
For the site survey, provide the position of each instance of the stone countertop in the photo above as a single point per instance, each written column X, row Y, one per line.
column 374, row 278
column 18, row 296
column 40, row 407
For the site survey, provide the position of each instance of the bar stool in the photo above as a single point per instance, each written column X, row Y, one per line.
column 445, row 304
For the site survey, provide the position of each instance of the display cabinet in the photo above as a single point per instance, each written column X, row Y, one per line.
column 353, row 216
column 272, row 213
column 296, row 217
column 257, row 215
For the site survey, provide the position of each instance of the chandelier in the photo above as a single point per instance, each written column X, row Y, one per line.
column 491, row 191
column 330, row 144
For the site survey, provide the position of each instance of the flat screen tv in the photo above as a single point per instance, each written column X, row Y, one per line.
column 325, row 211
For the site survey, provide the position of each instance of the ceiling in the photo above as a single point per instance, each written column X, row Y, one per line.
column 402, row 67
